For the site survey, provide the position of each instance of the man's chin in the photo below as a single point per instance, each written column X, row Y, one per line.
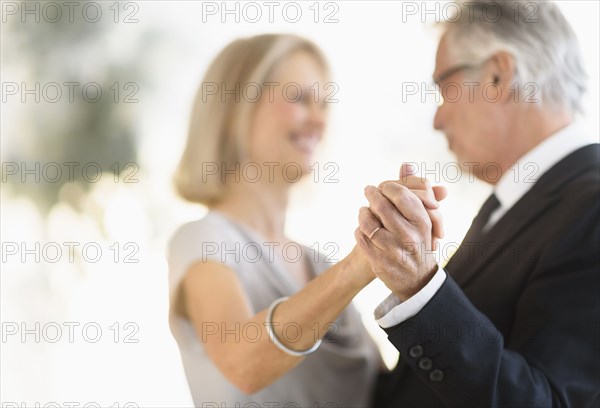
column 468, row 166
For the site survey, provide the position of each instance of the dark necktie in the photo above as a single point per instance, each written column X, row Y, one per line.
column 470, row 248
column 481, row 219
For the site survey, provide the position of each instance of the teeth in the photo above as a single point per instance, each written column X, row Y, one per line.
column 305, row 142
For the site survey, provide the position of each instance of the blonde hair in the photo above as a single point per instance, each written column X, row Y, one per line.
column 219, row 125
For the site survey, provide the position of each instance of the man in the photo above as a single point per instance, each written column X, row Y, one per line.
column 513, row 318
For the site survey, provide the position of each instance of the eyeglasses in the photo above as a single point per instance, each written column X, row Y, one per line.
column 447, row 74
column 454, row 70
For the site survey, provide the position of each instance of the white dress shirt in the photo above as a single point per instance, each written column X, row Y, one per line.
column 510, row 188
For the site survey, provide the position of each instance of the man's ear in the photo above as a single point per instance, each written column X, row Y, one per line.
column 502, row 71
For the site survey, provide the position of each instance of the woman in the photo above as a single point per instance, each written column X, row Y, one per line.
column 247, row 318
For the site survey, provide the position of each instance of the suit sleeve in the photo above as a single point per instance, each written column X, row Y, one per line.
column 551, row 357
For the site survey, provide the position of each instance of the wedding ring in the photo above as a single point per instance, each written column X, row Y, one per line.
column 373, row 233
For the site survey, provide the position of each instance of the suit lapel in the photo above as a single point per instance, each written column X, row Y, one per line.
column 475, row 256
column 471, row 258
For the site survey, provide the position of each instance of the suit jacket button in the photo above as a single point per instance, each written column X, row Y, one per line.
column 425, row 364
column 436, row 375
column 415, row 351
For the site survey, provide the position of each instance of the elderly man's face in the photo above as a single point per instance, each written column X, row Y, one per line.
column 471, row 119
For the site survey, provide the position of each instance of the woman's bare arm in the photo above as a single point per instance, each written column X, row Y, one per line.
column 238, row 342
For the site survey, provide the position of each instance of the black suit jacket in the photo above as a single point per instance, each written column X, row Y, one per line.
column 517, row 321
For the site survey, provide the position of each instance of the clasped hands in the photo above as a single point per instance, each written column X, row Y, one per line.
column 399, row 231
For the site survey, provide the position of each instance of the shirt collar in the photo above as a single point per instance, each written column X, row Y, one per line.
column 520, row 177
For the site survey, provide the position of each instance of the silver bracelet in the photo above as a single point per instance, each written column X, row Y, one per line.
column 274, row 339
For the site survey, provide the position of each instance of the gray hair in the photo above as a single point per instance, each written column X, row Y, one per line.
column 535, row 33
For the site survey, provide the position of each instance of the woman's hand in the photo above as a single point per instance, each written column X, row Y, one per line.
column 359, row 267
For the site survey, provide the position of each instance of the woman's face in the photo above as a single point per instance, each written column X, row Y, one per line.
column 289, row 119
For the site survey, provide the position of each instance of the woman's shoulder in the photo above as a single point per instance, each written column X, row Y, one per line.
column 202, row 240
column 211, row 226
column 201, row 237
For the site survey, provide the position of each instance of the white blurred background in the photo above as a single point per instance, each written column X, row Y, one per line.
column 123, row 291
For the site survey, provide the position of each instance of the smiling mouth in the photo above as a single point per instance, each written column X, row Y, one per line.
column 305, row 142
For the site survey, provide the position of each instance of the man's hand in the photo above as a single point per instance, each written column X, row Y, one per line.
column 429, row 195
column 406, row 213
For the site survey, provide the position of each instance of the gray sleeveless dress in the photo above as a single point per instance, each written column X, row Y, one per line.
column 341, row 373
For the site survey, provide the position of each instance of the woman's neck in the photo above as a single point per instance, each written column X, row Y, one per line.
column 262, row 209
